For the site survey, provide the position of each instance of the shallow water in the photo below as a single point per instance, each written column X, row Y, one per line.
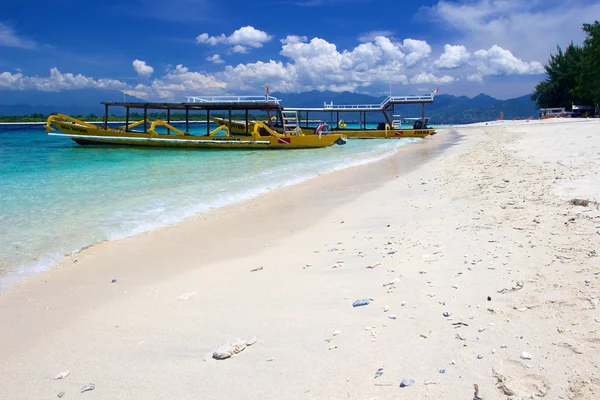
column 57, row 197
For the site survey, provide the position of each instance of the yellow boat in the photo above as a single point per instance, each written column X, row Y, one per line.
column 239, row 127
column 388, row 134
column 260, row 136
column 385, row 131
column 390, row 129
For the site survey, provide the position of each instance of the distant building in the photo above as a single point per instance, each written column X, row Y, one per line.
column 576, row 112
column 584, row 111
column 555, row 112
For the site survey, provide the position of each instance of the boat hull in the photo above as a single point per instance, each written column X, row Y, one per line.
column 389, row 134
column 86, row 136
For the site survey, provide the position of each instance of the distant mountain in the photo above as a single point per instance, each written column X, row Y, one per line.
column 446, row 109
column 512, row 108
column 81, row 101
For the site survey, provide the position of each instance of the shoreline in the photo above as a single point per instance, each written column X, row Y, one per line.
column 19, row 275
column 475, row 263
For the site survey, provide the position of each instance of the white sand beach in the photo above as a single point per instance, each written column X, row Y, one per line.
column 474, row 222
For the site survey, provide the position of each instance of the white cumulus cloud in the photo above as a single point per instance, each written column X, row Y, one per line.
column 248, row 77
column 369, row 67
column 453, row 57
column 291, row 39
column 11, row 81
column 427, row 77
column 142, row 69
column 184, row 82
column 56, row 81
column 238, row 48
column 416, row 50
column 215, row 58
column 529, row 29
column 240, row 40
column 499, row 61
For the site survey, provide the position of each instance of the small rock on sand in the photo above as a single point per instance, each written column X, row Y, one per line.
column 229, row 349
column 362, row 302
column 525, row 356
column 406, row 382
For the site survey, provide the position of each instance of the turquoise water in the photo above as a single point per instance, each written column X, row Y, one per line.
column 57, row 197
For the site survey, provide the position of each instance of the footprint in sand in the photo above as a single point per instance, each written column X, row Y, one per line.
column 515, row 380
column 584, row 388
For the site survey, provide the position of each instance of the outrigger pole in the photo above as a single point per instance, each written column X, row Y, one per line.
column 105, row 116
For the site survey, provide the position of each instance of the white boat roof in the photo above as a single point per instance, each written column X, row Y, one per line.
column 209, row 103
column 390, row 100
column 232, row 99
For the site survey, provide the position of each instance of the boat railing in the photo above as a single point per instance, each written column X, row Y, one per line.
column 233, row 99
column 406, row 99
column 388, row 100
column 351, row 106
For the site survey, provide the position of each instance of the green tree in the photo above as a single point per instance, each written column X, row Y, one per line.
column 563, row 72
column 589, row 80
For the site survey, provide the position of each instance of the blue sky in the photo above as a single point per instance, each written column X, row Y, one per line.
column 166, row 50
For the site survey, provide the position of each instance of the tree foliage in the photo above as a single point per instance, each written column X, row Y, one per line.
column 572, row 75
column 562, row 72
column 589, row 83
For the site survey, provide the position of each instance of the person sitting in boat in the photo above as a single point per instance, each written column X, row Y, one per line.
column 322, row 129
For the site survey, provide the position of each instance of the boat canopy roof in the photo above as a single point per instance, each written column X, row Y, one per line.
column 208, row 103
column 384, row 105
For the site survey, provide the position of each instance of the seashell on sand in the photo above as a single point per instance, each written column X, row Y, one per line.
column 229, row 349
column 62, row 375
